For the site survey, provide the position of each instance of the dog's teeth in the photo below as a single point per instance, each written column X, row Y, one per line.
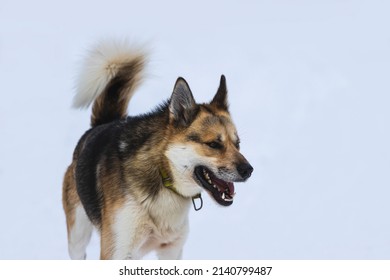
column 223, row 196
column 209, row 180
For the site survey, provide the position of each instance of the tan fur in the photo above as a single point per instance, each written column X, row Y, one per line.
column 69, row 197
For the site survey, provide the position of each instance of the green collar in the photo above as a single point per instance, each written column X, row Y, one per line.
column 168, row 183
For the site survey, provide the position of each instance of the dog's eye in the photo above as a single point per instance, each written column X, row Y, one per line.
column 214, row 145
column 238, row 145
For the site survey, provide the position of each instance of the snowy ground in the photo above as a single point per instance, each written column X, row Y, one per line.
column 309, row 92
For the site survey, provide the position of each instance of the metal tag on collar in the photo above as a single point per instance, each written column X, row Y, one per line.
column 199, row 196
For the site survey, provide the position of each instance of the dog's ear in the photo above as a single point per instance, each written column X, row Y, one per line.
column 182, row 106
column 220, row 98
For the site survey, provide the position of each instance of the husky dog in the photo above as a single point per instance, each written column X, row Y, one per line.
column 133, row 177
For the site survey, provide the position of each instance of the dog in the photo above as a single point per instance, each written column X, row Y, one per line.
column 134, row 177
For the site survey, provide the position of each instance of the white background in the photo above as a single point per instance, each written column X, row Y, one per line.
column 309, row 92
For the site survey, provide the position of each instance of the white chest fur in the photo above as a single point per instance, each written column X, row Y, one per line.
column 161, row 225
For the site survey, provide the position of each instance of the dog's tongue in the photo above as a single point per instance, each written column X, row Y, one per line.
column 223, row 185
column 231, row 187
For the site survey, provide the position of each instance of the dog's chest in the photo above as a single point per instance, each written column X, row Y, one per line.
column 169, row 218
column 168, row 235
column 166, row 231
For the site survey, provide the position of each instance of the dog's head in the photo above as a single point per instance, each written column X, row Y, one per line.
column 204, row 147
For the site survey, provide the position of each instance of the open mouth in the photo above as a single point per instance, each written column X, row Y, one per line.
column 220, row 190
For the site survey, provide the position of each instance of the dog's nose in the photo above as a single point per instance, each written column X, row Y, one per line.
column 245, row 170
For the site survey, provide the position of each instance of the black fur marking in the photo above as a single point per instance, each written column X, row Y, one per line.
column 220, row 98
column 208, row 109
column 95, row 143
column 109, row 112
column 194, row 137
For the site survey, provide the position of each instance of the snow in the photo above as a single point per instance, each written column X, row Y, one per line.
column 309, row 93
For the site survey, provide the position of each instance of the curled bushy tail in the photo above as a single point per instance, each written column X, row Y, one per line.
column 110, row 74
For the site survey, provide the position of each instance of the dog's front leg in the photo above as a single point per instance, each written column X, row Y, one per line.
column 123, row 234
column 123, row 245
column 174, row 250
